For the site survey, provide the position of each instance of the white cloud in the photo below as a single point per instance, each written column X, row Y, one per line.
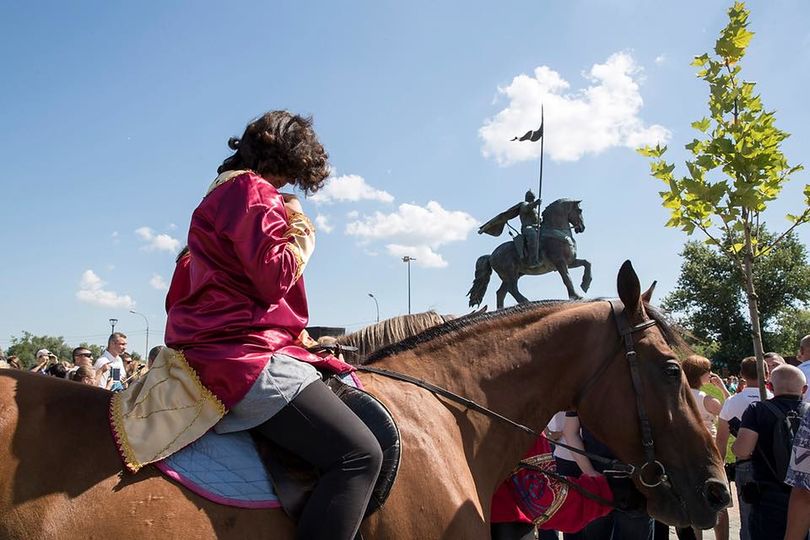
column 91, row 291
column 349, row 188
column 660, row 59
column 422, row 255
column 158, row 282
column 603, row 115
column 354, row 214
column 157, row 242
column 416, row 228
column 322, row 224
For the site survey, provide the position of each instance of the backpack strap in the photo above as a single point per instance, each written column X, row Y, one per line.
column 780, row 417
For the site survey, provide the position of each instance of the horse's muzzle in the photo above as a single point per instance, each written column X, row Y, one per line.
column 716, row 495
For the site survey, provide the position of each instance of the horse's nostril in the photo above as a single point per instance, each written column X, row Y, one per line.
column 716, row 494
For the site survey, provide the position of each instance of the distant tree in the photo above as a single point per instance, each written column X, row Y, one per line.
column 736, row 170
column 792, row 325
column 709, row 302
column 26, row 347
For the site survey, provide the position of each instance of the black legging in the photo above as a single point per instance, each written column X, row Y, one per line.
column 321, row 429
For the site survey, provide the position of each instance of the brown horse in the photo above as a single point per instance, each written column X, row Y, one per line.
column 60, row 476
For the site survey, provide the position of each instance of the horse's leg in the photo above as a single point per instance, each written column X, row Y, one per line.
column 586, row 276
column 500, row 295
column 562, row 269
column 513, row 290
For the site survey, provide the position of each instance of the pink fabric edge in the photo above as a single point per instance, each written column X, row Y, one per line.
column 356, row 379
column 227, row 501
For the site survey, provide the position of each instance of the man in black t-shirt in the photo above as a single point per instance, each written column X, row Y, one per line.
column 769, row 496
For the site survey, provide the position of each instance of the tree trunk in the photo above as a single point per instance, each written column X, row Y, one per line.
column 753, row 311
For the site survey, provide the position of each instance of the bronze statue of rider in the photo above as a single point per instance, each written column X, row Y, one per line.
column 530, row 228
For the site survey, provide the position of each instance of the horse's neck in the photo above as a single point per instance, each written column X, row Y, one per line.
column 518, row 367
column 556, row 221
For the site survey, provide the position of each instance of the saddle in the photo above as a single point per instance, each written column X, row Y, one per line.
column 246, row 470
column 294, row 479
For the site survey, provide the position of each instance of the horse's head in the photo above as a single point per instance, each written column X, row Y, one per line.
column 680, row 472
column 575, row 216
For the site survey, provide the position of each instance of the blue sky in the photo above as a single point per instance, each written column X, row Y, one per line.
column 114, row 117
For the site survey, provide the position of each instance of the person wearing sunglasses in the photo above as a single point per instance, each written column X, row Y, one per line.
column 82, row 357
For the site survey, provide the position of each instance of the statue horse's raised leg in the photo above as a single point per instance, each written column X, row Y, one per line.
column 586, row 277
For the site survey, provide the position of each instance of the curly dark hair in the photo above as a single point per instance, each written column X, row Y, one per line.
column 283, row 144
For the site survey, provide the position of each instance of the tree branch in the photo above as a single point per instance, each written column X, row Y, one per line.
column 804, row 218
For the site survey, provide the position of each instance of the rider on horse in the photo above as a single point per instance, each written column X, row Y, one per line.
column 530, row 228
column 236, row 327
column 528, row 242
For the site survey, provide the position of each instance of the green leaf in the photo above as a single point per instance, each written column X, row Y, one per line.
column 700, row 61
column 702, row 125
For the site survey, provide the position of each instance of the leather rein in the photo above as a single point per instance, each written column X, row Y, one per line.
column 614, row 468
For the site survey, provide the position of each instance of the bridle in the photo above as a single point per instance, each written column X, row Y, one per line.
column 650, row 474
column 659, row 472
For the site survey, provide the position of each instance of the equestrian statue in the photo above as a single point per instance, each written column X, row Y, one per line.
column 543, row 245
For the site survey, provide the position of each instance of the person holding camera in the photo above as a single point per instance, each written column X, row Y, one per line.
column 110, row 369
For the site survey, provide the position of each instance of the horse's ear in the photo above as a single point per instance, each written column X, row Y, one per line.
column 629, row 288
column 646, row 296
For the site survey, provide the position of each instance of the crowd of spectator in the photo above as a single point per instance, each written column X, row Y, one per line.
column 770, row 452
column 114, row 370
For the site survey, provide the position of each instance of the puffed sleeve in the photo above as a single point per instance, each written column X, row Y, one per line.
column 272, row 247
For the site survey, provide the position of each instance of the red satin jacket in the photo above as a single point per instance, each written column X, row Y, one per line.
column 240, row 300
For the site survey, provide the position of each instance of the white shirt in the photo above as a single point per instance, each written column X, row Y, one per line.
column 735, row 405
column 805, row 367
column 707, row 417
column 115, row 362
column 556, row 424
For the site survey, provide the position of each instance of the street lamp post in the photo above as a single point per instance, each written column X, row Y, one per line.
column 376, row 304
column 113, row 322
column 408, row 259
column 146, row 351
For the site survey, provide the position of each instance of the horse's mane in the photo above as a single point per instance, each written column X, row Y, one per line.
column 462, row 323
column 673, row 334
column 553, row 207
column 369, row 339
column 542, row 307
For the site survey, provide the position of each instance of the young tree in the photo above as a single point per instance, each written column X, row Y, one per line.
column 737, row 166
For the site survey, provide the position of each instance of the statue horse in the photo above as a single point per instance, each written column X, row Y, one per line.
column 558, row 251
column 525, row 362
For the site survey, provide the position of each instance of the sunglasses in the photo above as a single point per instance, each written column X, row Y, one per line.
column 87, row 354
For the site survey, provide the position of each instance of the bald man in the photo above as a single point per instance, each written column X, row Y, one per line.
column 804, row 357
column 768, row 516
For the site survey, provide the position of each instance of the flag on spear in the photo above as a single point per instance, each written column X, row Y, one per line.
column 532, row 136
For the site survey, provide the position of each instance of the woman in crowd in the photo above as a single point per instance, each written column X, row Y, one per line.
column 84, row 375
column 698, row 371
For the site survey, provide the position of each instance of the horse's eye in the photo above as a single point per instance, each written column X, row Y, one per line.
column 672, row 369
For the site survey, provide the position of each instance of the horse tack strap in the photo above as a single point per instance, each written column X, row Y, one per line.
column 470, row 404
column 626, row 332
column 615, row 468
